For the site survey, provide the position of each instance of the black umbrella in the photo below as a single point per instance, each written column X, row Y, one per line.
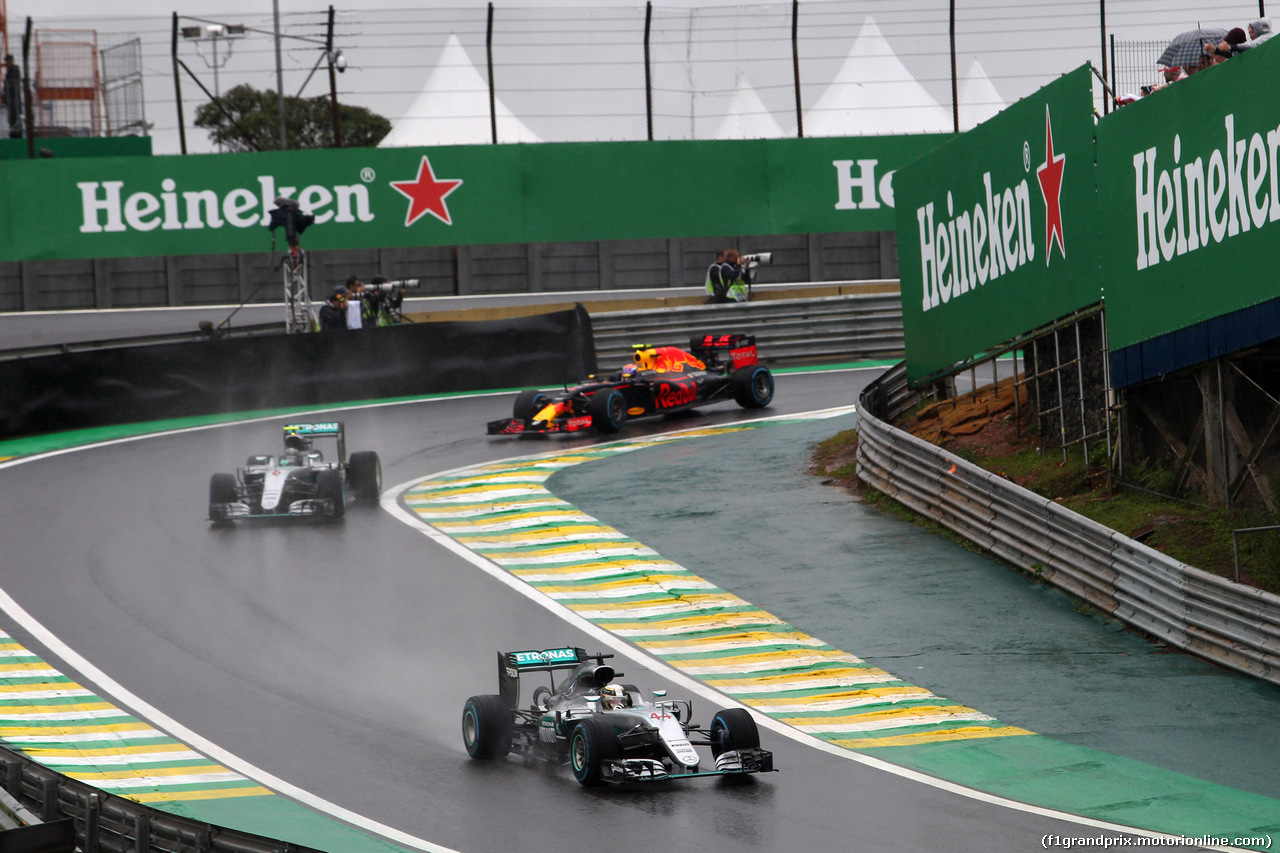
column 1186, row 49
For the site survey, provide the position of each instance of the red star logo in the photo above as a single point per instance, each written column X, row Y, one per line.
column 426, row 194
column 1050, row 177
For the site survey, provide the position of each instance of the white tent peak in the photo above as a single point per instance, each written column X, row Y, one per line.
column 873, row 93
column 453, row 108
column 747, row 117
column 978, row 97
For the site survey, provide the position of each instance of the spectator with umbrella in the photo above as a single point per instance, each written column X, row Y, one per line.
column 1186, row 52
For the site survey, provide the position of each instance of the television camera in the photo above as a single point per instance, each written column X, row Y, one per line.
column 759, row 259
column 287, row 214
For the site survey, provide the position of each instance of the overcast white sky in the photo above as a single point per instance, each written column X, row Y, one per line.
column 573, row 70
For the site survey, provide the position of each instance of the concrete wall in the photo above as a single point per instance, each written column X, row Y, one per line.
column 220, row 279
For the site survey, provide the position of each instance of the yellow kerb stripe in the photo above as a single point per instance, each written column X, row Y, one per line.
column 217, row 794
column 966, row 733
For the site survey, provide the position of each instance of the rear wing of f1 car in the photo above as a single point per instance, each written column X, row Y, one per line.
column 732, row 350
column 324, row 429
column 512, row 664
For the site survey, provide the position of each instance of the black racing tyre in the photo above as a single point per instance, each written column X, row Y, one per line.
column 329, row 487
column 592, row 743
column 528, row 404
column 753, row 387
column 487, row 727
column 733, row 728
column 608, row 409
column 222, row 489
column 364, row 472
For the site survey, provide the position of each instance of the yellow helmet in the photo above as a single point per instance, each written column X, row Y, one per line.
column 614, row 696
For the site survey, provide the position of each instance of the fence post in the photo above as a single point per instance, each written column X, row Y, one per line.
column 795, row 64
column 648, row 74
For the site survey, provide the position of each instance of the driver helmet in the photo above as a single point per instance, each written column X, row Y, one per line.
column 630, row 370
column 613, row 696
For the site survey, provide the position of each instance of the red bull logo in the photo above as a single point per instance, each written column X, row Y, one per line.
column 678, row 393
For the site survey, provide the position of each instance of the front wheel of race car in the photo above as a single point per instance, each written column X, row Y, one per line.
column 733, row 728
column 486, row 727
column 364, row 471
column 528, row 404
column 329, row 487
column 222, row 490
column 608, row 409
column 592, row 743
column 753, row 387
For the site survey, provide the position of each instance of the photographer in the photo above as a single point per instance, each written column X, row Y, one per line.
column 359, row 313
column 725, row 282
column 333, row 314
column 384, row 299
column 728, row 278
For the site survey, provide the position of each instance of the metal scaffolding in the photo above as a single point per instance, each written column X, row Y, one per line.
column 68, row 86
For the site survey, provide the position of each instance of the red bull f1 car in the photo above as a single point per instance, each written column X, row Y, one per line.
column 298, row 482
column 604, row 731
column 658, row 381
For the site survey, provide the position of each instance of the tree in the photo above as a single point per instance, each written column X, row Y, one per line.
column 308, row 122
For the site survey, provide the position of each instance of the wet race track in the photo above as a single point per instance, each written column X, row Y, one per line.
column 336, row 657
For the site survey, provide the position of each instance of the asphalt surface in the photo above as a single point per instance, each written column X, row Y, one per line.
column 337, row 657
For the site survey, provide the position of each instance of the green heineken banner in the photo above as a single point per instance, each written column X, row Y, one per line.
column 457, row 195
column 1189, row 187
column 996, row 229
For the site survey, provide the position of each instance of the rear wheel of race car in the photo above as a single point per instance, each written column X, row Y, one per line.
column 733, row 728
column 364, row 471
column 753, row 387
column 486, row 727
column 608, row 410
column 528, row 404
column 329, row 487
column 592, row 743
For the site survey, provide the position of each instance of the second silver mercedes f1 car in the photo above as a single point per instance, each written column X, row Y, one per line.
column 298, row 482
column 604, row 731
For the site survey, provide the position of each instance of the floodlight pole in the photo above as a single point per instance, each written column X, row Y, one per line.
column 284, row 141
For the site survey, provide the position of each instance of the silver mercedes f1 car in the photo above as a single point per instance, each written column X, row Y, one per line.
column 605, row 731
column 298, row 482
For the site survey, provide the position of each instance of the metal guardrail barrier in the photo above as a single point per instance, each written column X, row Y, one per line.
column 111, row 824
column 1200, row 613
column 865, row 326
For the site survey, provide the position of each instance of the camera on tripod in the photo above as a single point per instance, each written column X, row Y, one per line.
column 759, row 259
